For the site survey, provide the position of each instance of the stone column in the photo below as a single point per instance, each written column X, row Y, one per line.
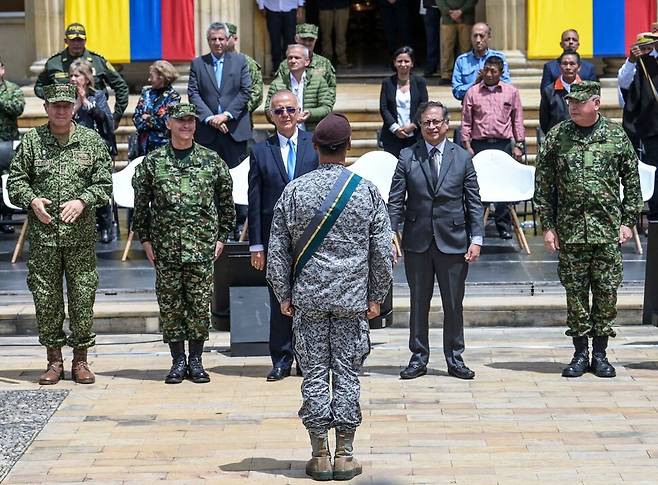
column 44, row 29
column 508, row 21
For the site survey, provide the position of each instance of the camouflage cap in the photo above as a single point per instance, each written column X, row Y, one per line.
column 75, row 31
column 646, row 38
column 54, row 93
column 232, row 28
column 182, row 110
column 307, row 30
column 584, row 90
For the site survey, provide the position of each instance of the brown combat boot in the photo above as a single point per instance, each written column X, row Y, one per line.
column 319, row 466
column 80, row 371
column 55, row 370
column 345, row 465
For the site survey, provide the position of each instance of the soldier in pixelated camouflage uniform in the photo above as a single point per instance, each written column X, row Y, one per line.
column 579, row 168
column 57, row 67
column 343, row 282
column 61, row 172
column 183, row 214
column 12, row 104
column 307, row 35
column 255, row 71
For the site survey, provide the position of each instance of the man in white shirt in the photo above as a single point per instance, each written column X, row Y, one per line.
column 281, row 17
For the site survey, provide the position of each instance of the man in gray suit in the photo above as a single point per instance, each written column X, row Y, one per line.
column 443, row 231
column 219, row 86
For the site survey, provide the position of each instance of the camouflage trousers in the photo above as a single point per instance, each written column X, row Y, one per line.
column 330, row 348
column 184, row 291
column 47, row 266
column 597, row 267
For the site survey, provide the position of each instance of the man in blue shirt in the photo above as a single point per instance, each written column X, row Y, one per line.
column 468, row 66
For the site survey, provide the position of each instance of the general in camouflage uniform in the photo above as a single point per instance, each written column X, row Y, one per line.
column 56, row 69
column 61, row 172
column 579, row 168
column 255, row 71
column 12, row 104
column 183, row 214
column 315, row 101
column 343, row 282
column 307, row 35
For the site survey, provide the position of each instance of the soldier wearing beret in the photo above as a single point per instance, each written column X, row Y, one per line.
column 330, row 266
column 57, row 67
column 255, row 71
column 183, row 214
column 579, row 168
column 307, row 35
column 61, row 172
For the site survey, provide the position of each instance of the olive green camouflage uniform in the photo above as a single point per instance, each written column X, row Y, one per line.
column 81, row 169
column 255, row 72
column 56, row 70
column 577, row 195
column 183, row 207
column 12, row 104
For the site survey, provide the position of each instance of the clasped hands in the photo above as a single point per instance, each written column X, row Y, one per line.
column 71, row 210
column 219, row 122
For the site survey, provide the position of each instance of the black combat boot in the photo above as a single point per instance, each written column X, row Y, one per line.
column 580, row 362
column 196, row 370
column 178, row 369
column 600, row 365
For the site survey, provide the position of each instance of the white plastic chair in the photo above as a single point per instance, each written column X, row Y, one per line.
column 240, row 176
column 647, row 186
column 503, row 179
column 124, row 195
column 378, row 167
column 18, row 249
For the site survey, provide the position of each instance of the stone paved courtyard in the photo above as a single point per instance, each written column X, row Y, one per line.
column 518, row 422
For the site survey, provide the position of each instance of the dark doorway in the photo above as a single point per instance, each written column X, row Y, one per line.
column 367, row 46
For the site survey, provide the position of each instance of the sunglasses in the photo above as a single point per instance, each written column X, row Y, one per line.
column 280, row 111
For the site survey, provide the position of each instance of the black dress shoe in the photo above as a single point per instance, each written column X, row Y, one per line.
column 505, row 235
column 413, row 370
column 461, row 372
column 278, row 373
column 6, row 229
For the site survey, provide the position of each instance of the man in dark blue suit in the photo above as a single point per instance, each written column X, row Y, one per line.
column 569, row 42
column 273, row 163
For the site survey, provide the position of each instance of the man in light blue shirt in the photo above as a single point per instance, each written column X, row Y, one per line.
column 281, row 17
column 468, row 66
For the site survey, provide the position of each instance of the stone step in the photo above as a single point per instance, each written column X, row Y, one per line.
column 142, row 316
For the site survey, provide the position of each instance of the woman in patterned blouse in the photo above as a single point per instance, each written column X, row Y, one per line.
column 151, row 111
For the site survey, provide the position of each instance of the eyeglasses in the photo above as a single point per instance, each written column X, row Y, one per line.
column 280, row 111
column 429, row 123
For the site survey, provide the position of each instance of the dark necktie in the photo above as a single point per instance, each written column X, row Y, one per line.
column 434, row 165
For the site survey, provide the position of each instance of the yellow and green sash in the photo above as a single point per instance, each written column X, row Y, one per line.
column 324, row 219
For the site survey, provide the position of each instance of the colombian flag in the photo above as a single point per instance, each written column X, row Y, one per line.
column 136, row 30
column 606, row 27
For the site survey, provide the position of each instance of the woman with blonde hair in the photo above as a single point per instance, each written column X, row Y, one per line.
column 92, row 111
column 153, row 105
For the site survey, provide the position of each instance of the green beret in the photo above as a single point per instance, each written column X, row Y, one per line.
column 584, row 90
column 307, row 30
column 232, row 28
column 54, row 93
column 182, row 110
